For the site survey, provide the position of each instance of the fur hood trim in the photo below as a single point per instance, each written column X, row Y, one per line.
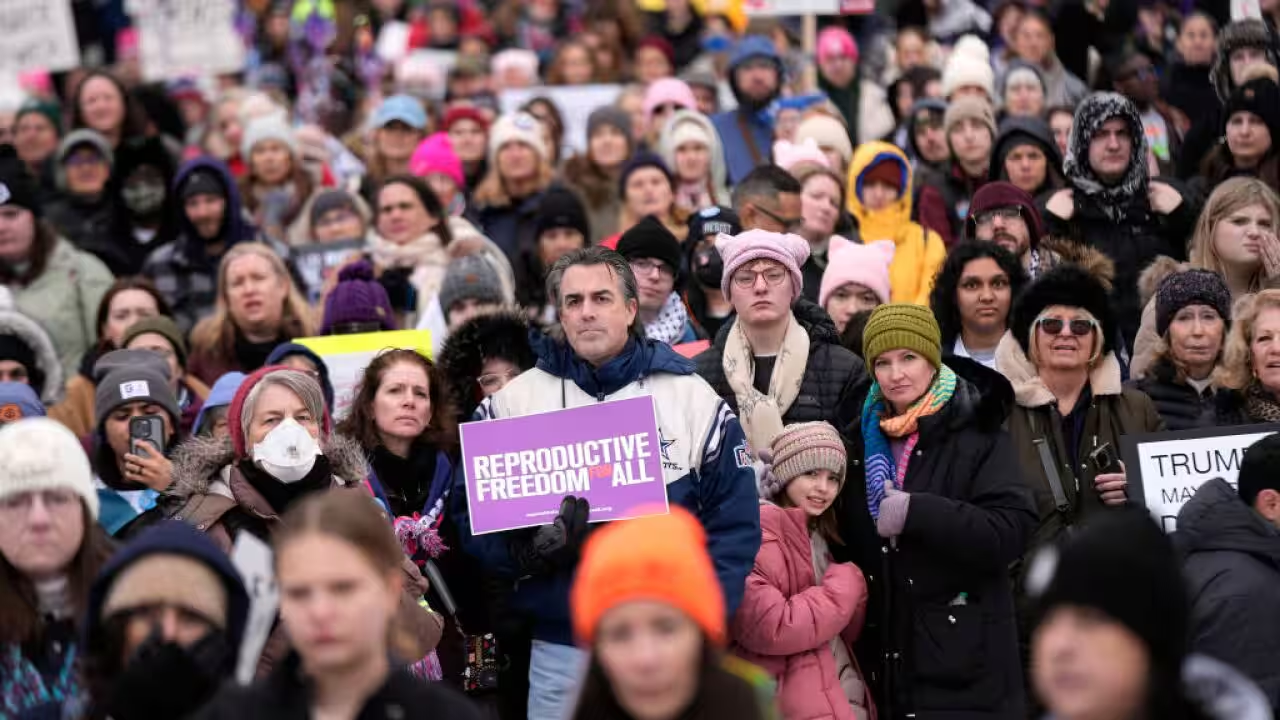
column 1159, row 269
column 17, row 324
column 198, row 463
column 1030, row 392
column 1090, row 259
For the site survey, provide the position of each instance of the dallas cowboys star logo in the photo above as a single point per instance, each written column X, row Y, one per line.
column 666, row 444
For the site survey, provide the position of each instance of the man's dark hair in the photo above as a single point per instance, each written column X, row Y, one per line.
column 942, row 300
column 764, row 181
column 1260, row 469
column 618, row 266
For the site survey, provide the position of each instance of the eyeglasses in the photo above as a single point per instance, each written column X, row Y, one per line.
column 493, row 382
column 745, row 279
column 17, row 507
column 1054, row 326
column 1005, row 213
column 648, row 266
column 788, row 224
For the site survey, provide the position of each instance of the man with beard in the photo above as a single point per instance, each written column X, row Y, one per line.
column 1007, row 216
column 927, row 136
column 1111, row 204
column 755, row 75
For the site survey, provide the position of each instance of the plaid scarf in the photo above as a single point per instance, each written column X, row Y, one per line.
column 877, row 428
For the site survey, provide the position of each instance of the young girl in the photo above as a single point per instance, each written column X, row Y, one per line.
column 801, row 611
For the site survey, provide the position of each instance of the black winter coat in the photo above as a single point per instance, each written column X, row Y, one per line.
column 1233, row 572
column 285, row 695
column 941, row 639
column 835, row 380
column 98, row 227
column 1181, row 406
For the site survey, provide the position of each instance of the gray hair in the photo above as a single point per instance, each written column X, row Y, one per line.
column 295, row 381
column 597, row 255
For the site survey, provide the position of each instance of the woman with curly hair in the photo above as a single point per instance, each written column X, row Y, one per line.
column 972, row 297
column 1251, row 363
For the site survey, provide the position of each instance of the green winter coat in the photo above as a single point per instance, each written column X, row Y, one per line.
column 64, row 299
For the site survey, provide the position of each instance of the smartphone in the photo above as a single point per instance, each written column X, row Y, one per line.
column 146, row 429
column 1104, row 460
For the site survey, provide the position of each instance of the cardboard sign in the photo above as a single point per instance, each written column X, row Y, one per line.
column 519, row 469
column 575, row 103
column 347, row 356
column 187, row 38
column 1165, row 469
column 255, row 562
column 38, row 35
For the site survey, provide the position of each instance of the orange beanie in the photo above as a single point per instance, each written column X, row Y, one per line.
column 660, row 557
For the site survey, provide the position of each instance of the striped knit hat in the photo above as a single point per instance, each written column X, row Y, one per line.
column 803, row 448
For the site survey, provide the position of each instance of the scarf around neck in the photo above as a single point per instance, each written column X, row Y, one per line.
column 1093, row 113
column 760, row 413
column 668, row 327
column 877, row 427
column 1260, row 404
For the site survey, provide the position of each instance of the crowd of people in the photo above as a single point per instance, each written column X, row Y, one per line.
column 897, row 300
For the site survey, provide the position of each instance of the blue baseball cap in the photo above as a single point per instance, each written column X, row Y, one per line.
column 403, row 108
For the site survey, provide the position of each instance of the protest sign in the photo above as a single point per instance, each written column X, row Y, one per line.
column 574, row 102
column 1165, row 469
column 254, row 561
column 773, row 8
column 38, row 35
column 347, row 356
column 187, row 38
column 519, row 469
column 318, row 262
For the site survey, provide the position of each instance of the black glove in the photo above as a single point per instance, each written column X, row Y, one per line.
column 400, row 291
column 165, row 680
column 555, row 546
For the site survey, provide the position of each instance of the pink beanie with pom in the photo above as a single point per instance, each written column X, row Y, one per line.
column 837, row 42
column 435, row 155
column 787, row 155
column 738, row 250
column 668, row 91
column 850, row 262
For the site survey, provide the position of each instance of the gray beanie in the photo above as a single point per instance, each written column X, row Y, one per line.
column 125, row 376
column 269, row 127
column 470, row 277
column 609, row 115
column 76, row 139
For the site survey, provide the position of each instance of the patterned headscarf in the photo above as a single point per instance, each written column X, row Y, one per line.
column 1091, row 115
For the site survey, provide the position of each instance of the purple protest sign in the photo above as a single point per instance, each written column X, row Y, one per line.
column 519, row 469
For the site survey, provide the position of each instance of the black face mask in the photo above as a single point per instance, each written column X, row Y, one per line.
column 165, row 680
column 708, row 266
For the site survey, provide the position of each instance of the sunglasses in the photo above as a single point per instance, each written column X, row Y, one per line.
column 1053, row 326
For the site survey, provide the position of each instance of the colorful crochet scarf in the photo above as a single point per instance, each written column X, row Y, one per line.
column 877, row 429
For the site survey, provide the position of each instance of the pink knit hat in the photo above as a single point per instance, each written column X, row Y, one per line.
column 738, row 250
column 787, row 155
column 668, row 90
column 435, row 155
column 850, row 262
column 837, row 42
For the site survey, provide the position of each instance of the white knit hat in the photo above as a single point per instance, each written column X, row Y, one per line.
column 269, row 127
column 516, row 127
column 966, row 70
column 42, row 454
column 972, row 46
column 828, row 132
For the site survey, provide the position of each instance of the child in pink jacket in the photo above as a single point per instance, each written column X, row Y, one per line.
column 801, row 611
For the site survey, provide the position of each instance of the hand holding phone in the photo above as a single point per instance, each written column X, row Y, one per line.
column 1109, row 479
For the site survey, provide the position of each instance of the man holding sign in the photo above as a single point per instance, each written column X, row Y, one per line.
column 699, row 456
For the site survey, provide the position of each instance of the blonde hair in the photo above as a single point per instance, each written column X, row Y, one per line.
column 492, row 190
column 1034, row 355
column 1236, row 370
column 216, row 333
column 1230, row 196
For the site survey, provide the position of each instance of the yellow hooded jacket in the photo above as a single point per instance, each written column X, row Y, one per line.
column 918, row 252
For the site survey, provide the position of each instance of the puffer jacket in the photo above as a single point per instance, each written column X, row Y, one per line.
column 1114, row 411
column 834, row 378
column 1233, row 571
column 510, row 227
column 941, row 636
column 918, row 253
column 788, row 619
column 1181, row 406
column 64, row 299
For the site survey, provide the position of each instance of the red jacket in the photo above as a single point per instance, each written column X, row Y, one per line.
column 787, row 621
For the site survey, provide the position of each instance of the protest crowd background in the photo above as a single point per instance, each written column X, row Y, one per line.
column 640, row 359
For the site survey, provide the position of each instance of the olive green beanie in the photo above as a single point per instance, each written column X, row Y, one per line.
column 902, row 325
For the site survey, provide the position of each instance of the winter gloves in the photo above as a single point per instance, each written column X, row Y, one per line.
column 555, row 546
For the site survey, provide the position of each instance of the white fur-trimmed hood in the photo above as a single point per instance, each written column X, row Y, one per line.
column 1029, row 391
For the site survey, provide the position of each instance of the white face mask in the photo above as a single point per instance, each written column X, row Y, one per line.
column 287, row 453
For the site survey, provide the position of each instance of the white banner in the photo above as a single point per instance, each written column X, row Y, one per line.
column 1165, row 469
column 575, row 102
column 38, row 35
column 774, row 8
column 187, row 38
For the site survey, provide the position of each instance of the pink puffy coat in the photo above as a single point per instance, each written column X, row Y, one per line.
column 786, row 621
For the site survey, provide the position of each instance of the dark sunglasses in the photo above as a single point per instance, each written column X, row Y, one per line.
column 1053, row 326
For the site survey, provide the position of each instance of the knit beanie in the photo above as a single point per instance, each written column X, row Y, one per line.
column 609, row 116
column 966, row 71
column 82, row 138
column 687, row 129
column 787, row 155
column 168, row 579
column 519, row 59
column 42, row 454
column 1243, row 33
column 1001, row 194
column 649, row 238
column 357, row 298
column 516, row 127
column 850, row 262
column 435, row 156
column 1191, row 287
column 17, row 187
column 791, row 251
column 1020, row 74
column 836, row 42
column 668, row 91
column 132, row 376
column 659, row 43
column 802, row 448
column 639, row 161
column 163, row 326
column 561, row 208
column 887, row 170
column 51, row 111
column 470, row 278
column 660, row 558
column 327, row 201
column 204, row 181
column 458, row 113
column 14, row 347
column 714, row 220
column 828, row 132
column 969, row 108
column 902, row 326
column 1122, row 564
column 972, row 47
column 235, row 427
column 1259, row 96
column 17, row 401
column 269, row 127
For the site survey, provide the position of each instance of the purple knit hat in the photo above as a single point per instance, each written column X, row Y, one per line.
column 357, row 298
column 738, row 250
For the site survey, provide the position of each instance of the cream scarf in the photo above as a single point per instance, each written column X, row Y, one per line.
column 761, row 414
column 426, row 255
